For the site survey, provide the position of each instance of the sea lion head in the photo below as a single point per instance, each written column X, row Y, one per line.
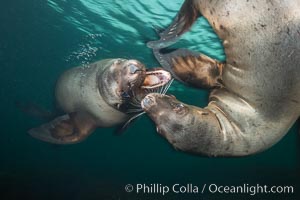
column 127, row 82
column 170, row 115
column 176, row 121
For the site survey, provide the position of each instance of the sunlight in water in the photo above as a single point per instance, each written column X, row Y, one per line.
column 138, row 19
column 131, row 24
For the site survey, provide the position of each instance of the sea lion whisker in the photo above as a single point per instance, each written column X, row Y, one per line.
column 161, row 89
column 158, row 89
column 135, row 104
column 168, row 86
column 154, row 90
column 150, row 90
column 132, row 118
column 135, row 101
column 134, row 111
column 165, row 88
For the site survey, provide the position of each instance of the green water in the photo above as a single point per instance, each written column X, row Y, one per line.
column 41, row 39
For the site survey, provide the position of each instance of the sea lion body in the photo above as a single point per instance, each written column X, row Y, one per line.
column 77, row 90
column 261, row 46
column 101, row 94
column 257, row 99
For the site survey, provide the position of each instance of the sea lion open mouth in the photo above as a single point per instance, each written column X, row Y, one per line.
column 156, row 78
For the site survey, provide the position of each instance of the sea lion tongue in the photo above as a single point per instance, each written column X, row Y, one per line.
column 155, row 78
column 151, row 80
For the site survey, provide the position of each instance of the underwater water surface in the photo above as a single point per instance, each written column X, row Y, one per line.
column 41, row 39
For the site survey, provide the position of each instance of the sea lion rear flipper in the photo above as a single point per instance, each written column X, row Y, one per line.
column 67, row 129
column 191, row 67
column 182, row 22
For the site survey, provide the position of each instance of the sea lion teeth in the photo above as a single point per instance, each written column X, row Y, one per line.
column 155, row 79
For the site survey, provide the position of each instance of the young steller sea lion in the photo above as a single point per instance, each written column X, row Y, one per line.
column 102, row 94
column 255, row 96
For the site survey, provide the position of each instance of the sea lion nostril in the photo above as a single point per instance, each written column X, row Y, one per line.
column 147, row 101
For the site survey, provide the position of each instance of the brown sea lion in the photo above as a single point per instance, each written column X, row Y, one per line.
column 102, row 94
column 255, row 96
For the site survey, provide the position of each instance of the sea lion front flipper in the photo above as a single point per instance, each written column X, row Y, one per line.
column 66, row 129
column 191, row 67
column 182, row 22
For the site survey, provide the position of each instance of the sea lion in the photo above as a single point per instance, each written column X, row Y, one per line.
column 255, row 94
column 101, row 94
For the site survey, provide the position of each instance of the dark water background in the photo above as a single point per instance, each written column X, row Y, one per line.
column 40, row 39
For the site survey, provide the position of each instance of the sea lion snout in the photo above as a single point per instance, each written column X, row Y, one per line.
column 168, row 114
column 155, row 103
column 149, row 101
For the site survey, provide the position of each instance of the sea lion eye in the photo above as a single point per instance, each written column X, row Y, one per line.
column 133, row 69
column 178, row 107
column 117, row 105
